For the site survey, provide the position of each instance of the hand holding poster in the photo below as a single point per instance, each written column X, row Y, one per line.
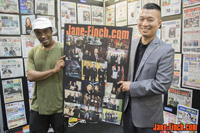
column 96, row 56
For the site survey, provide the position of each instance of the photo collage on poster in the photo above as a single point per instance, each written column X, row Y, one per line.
column 93, row 67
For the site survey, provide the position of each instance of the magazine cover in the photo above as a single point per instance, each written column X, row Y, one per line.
column 26, row 6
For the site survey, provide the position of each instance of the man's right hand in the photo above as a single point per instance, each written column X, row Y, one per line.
column 60, row 63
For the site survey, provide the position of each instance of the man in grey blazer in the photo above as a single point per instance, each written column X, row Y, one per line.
column 150, row 75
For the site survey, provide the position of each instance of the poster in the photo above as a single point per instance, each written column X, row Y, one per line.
column 190, row 2
column 26, row 21
column 51, row 18
column 10, row 46
column 68, row 13
column 191, row 71
column 177, row 71
column 170, row 7
column 45, row 7
column 179, row 96
column 110, row 15
column 28, row 42
column 11, row 68
column 134, row 9
column 26, row 6
column 186, row 115
column 97, row 15
column 169, row 117
column 191, row 30
column 15, row 114
column 96, row 59
column 84, row 14
column 9, row 24
column 9, row 6
column 171, row 33
column 121, row 13
column 12, row 90
column 150, row 1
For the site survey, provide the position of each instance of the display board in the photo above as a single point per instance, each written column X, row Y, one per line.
column 96, row 59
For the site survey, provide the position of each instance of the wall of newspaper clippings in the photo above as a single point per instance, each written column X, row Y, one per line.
column 180, row 27
column 16, row 17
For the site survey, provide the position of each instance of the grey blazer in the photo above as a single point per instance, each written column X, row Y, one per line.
column 152, row 79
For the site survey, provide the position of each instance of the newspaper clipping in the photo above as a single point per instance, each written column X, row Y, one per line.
column 136, row 32
column 45, row 7
column 9, row 6
column 11, row 68
column 186, row 115
column 10, row 46
column 150, row 1
column 26, row 7
column 9, row 24
column 177, row 71
column 110, row 15
column 191, row 71
column 191, row 30
column 12, row 90
column 68, row 13
column 190, row 2
column 169, row 117
column 97, row 15
column 28, row 42
column 172, row 7
column 134, row 9
column 15, row 114
column 26, row 21
column 84, row 14
column 121, row 13
column 179, row 96
column 171, row 33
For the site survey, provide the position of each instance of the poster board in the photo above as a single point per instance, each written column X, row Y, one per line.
column 96, row 59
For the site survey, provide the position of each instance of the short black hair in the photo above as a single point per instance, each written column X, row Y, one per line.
column 152, row 6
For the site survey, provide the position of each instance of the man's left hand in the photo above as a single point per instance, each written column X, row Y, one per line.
column 125, row 85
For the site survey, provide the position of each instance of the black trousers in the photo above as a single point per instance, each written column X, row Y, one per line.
column 40, row 123
column 129, row 127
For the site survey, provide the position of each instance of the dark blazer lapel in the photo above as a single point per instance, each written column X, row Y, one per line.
column 153, row 45
column 134, row 46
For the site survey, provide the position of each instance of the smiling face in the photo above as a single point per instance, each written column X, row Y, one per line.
column 148, row 23
column 45, row 36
